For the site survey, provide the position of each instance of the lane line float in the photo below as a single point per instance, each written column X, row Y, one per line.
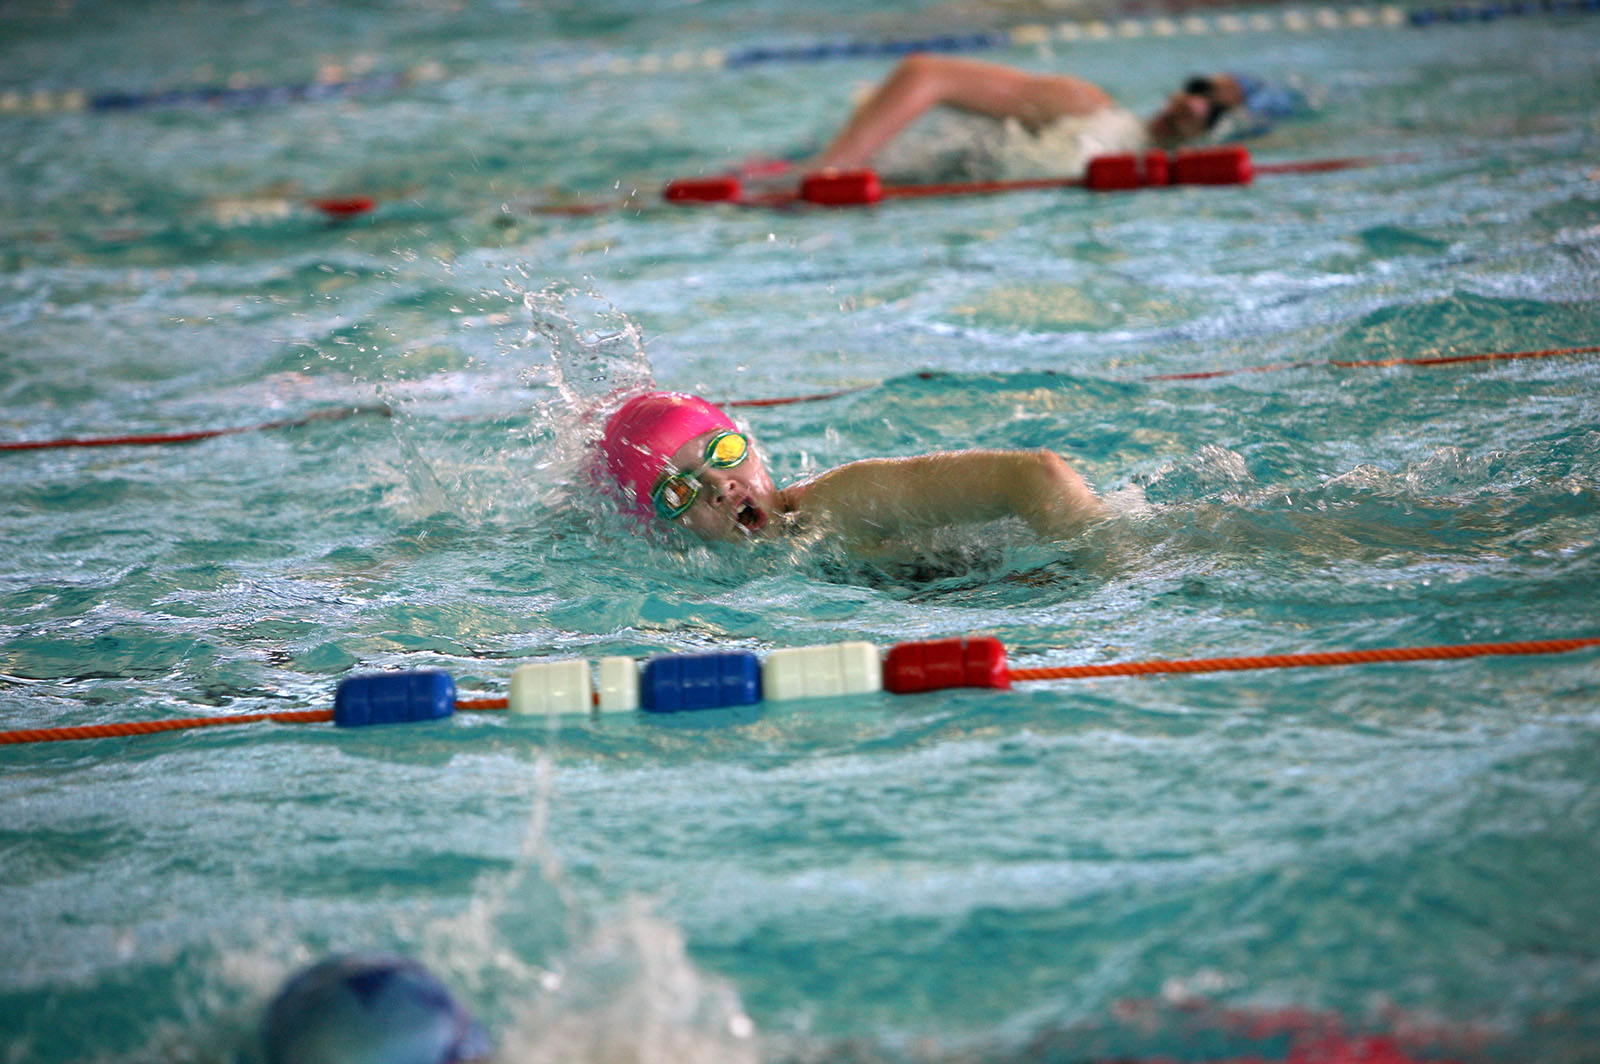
column 160, row 438
column 814, row 397
column 1228, row 164
column 675, row 683
column 1224, row 164
column 1335, row 363
column 238, row 92
column 1379, row 363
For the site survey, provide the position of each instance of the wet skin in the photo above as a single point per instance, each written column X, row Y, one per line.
column 876, row 499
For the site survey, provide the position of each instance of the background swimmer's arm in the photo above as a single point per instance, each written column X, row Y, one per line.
column 884, row 497
column 922, row 82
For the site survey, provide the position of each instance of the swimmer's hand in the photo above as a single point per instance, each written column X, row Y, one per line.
column 880, row 498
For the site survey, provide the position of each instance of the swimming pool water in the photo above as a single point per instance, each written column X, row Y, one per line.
column 1106, row 869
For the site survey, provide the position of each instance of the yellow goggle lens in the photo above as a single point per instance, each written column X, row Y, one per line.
column 727, row 449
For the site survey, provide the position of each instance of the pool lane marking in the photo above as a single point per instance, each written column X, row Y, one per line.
column 1378, row 655
column 155, row 439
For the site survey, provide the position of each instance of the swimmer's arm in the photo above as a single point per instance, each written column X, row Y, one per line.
column 923, row 82
column 884, row 497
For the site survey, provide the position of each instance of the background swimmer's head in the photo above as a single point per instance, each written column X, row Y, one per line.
column 645, row 432
column 1225, row 105
column 1191, row 111
column 369, row 1008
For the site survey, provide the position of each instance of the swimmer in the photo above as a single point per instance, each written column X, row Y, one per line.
column 678, row 459
column 1080, row 114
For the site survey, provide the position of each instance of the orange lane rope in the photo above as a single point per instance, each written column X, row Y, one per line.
column 1197, row 375
column 1291, row 661
column 146, row 727
column 152, row 439
column 785, row 400
column 483, row 703
column 1447, row 360
column 1194, row 375
column 1377, row 363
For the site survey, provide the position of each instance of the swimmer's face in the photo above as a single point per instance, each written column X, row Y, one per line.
column 734, row 503
column 1195, row 108
column 1182, row 118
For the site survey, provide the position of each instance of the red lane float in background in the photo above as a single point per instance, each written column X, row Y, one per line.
column 845, row 188
column 1221, row 165
column 1225, row 165
column 343, row 208
column 721, row 189
column 1229, row 165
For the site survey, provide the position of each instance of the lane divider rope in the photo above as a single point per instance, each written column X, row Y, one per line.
column 1379, row 363
column 161, row 438
column 148, row 727
column 1312, row 660
column 677, row 682
column 384, row 410
column 1215, row 164
column 239, row 91
column 789, row 400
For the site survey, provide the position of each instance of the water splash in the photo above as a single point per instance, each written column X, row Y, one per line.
column 630, row 995
column 554, row 977
column 577, row 342
column 597, row 353
column 618, row 989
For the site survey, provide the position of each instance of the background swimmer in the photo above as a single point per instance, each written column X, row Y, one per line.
column 369, row 1008
column 1072, row 119
column 682, row 460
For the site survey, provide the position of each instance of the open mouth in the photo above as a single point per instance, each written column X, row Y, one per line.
column 750, row 517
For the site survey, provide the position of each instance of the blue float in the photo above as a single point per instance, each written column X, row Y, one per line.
column 679, row 682
column 394, row 698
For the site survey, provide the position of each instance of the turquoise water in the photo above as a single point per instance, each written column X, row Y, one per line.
column 1070, row 871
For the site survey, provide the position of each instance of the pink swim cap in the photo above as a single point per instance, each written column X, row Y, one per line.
column 646, row 431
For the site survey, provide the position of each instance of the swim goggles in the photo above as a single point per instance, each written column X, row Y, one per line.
column 676, row 492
